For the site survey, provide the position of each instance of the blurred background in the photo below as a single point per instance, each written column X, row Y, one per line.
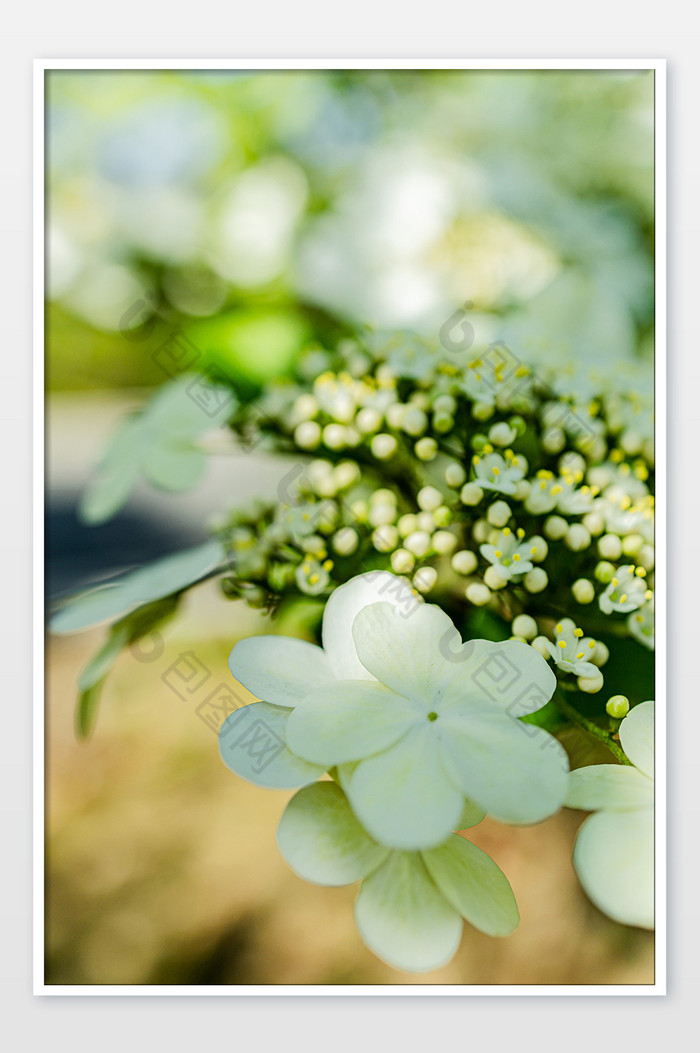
column 261, row 215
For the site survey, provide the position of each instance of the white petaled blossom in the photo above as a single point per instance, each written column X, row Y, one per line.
column 416, row 721
column 511, row 554
column 499, row 472
column 626, row 592
column 614, row 850
column 410, row 906
column 641, row 624
column 572, row 651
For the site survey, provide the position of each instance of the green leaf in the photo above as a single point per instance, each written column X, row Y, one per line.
column 158, row 443
column 86, row 712
column 126, row 631
column 164, row 578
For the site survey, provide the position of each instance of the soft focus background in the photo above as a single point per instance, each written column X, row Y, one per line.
column 261, row 215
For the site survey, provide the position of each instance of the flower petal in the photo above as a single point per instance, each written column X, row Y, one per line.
column 279, row 669
column 508, row 676
column 348, row 720
column 613, row 787
column 403, row 796
column 345, row 603
column 637, row 737
column 517, row 772
column 614, row 859
column 471, row 815
column 403, row 917
column 470, row 880
column 322, row 840
column 408, row 654
column 252, row 743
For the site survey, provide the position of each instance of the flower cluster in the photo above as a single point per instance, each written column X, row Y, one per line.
column 471, row 476
column 423, row 736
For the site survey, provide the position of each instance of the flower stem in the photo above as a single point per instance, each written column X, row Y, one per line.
column 589, row 727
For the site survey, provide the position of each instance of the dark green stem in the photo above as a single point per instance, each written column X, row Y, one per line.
column 589, row 727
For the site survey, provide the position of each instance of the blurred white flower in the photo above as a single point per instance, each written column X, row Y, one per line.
column 614, row 850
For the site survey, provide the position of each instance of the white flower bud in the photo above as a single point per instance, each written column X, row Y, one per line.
column 335, row 436
column 632, row 544
column 538, row 548
column 481, row 531
column 407, row 524
column 445, row 404
column 610, row 546
column 383, row 446
column 477, row 593
column 426, row 449
column 381, row 512
column 540, row 645
column 571, row 462
column 600, row 655
column 604, row 572
column 502, row 434
column 594, row 523
column 385, row 538
column 455, row 474
column 646, row 557
column 425, row 521
column 536, row 580
column 442, row 423
column 482, row 411
column 553, row 440
column 577, row 537
column 419, row 542
column 555, row 527
column 424, row 579
column 429, row 498
column 618, row 706
column 345, row 474
column 522, row 490
column 590, row 684
column 464, row 562
column 414, row 420
column 524, row 626
column 471, row 494
column 305, row 407
column 444, row 542
column 402, row 562
column 494, row 578
column 345, row 541
column 368, row 420
column 442, row 516
column 631, row 442
column 583, row 590
column 394, row 414
column 498, row 514
column 307, row 435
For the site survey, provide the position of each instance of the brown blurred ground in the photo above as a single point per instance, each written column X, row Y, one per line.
column 163, row 867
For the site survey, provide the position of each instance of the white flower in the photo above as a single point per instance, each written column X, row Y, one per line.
column 614, row 850
column 641, row 624
column 282, row 671
column 499, row 472
column 626, row 592
column 425, row 720
column 410, row 906
column 543, row 494
column 511, row 555
column 438, row 727
column 572, row 651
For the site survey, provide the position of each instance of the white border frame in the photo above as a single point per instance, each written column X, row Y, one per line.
column 41, row 67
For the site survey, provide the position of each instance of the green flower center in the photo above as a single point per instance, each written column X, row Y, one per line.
column 432, row 716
